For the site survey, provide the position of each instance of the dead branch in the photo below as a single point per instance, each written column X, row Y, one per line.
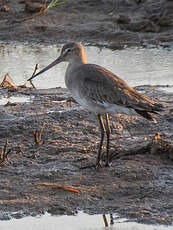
column 43, row 10
column 38, row 134
column 5, row 152
column 55, row 186
column 35, row 69
column 5, row 83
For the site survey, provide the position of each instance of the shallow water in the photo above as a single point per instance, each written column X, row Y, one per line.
column 136, row 66
column 14, row 99
column 80, row 222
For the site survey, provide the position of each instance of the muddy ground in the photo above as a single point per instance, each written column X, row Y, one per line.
column 112, row 23
column 139, row 183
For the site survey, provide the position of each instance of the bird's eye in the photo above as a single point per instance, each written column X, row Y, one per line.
column 69, row 50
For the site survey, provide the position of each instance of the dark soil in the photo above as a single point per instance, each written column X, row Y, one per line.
column 139, row 183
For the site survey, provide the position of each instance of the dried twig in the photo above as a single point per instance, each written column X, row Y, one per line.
column 35, row 69
column 5, row 83
column 3, row 157
column 5, row 152
column 55, row 186
column 38, row 134
column 42, row 11
column 146, row 194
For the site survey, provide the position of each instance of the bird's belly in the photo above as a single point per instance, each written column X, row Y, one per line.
column 113, row 108
column 99, row 107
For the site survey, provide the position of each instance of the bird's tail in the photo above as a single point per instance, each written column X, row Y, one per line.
column 156, row 108
column 146, row 115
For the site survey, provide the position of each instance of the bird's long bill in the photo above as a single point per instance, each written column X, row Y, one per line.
column 58, row 60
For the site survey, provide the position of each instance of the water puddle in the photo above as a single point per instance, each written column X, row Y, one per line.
column 14, row 99
column 168, row 89
column 80, row 222
column 136, row 66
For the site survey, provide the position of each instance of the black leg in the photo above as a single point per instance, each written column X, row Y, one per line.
column 102, row 130
column 108, row 132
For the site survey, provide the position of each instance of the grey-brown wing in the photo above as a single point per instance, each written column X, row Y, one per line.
column 101, row 85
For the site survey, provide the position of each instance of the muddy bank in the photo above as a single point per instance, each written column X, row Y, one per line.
column 110, row 23
column 138, row 185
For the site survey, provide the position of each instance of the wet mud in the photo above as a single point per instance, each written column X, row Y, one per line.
column 138, row 185
column 111, row 23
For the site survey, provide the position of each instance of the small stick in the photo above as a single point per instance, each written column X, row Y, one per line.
column 68, row 188
column 35, row 69
column 6, row 83
column 42, row 11
column 38, row 134
column 5, row 147
column 4, row 153
column 145, row 195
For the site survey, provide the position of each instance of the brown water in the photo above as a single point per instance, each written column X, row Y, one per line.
column 136, row 66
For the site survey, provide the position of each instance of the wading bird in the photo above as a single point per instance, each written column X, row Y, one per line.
column 100, row 91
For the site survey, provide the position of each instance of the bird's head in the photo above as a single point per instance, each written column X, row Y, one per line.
column 72, row 52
